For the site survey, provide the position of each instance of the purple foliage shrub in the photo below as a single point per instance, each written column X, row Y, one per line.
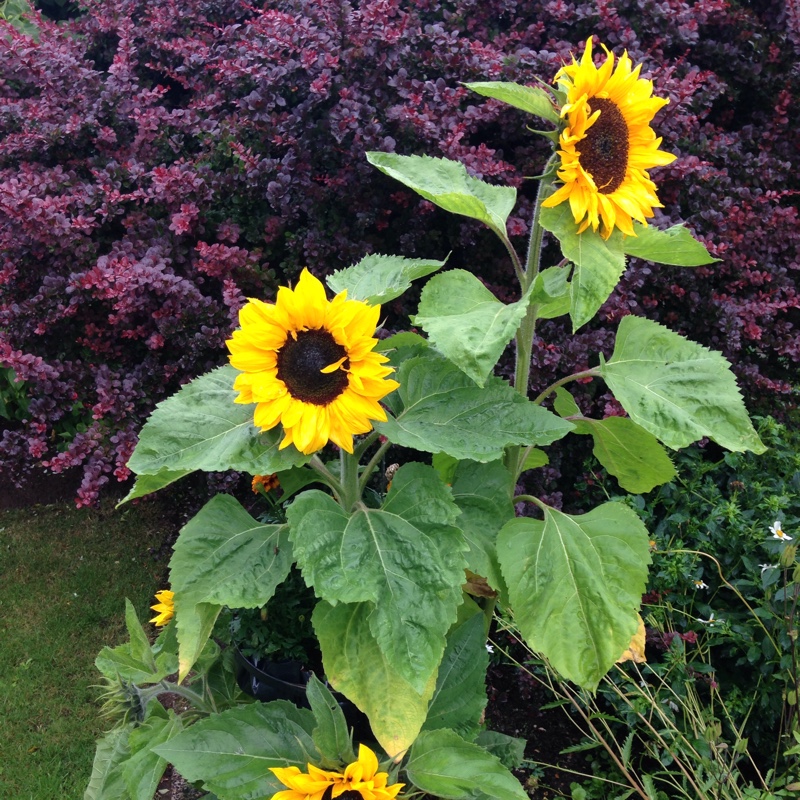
column 160, row 161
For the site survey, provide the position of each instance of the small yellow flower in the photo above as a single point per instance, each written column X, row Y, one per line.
column 165, row 608
column 265, row 482
column 607, row 144
column 359, row 779
column 308, row 364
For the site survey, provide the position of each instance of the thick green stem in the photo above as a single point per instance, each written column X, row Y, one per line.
column 527, row 328
column 351, row 492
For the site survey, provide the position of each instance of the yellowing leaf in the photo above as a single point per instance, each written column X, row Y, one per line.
column 635, row 651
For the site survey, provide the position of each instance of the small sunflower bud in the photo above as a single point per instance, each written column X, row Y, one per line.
column 788, row 555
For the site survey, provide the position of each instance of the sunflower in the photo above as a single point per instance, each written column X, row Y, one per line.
column 359, row 781
column 165, row 608
column 607, row 144
column 308, row 363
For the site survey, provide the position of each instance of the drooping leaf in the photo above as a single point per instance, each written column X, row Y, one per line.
column 144, row 769
column 232, row 752
column 356, row 666
column 223, row 557
column 565, row 404
column 405, row 340
column 201, row 427
column 331, row 735
column 460, row 695
column 377, row 279
column 528, row 98
column 629, row 453
column 467, row 323
column 551, row 292
column 536, row 458
column 575, row 584
column 447, row 184
column 440, row 410
column 675, row 246
column 406, row 557
column 445, row 467
column 147, row 484
column 509, row 749
column 677, row 389
column 483, row 493
column 444, row 765
column 599, row 263
column 106, row 781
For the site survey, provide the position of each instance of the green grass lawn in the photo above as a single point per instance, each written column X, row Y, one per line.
column 64, row 574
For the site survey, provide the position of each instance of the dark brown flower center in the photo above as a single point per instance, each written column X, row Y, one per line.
column 348, row 794
column 604, row 151
column 300, row 365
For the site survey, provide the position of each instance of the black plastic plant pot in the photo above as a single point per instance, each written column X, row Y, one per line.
column 267, row 680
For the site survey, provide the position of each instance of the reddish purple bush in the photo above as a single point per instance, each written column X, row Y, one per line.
column 162, row 160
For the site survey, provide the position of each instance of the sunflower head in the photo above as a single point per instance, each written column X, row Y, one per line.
column 308, row 363
column 165, row 608
column 359, row 781
column 607, row 144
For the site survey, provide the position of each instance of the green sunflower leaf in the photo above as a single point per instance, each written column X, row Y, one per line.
column 438, row 409
column 331, row 735
column 377, row 279
column 528, row 98
column 460, row 695
column 143, row 770
column 223, row 557
column 232, row 752
column 483, row 493
column 629, row 453
column 575, row 584
column 599, row 263
column 444, row 765
column 467, row 323
column 407, row 557
column 356, row 666
column 106, row 781
column 675, row 246
column 201, row 427
column 448, row 185
column 677, row 389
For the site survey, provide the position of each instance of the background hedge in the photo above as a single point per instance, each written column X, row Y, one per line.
column 160, row 161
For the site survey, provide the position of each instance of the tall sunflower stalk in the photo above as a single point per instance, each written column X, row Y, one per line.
column 408, row 567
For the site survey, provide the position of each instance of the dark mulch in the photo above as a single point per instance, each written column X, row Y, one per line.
column 41, row 488
column 515, row 708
